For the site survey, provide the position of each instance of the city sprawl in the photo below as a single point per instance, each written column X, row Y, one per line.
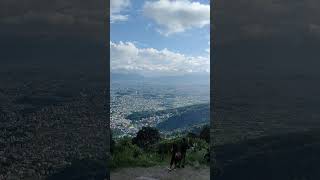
column 150, row 98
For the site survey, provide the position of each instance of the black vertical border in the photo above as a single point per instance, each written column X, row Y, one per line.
column 107, row 90
column 212, row 82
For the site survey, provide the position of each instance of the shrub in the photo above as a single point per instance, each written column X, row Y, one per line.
column 127, row 154
column 205, row 133
column 197, row 152
column 192, row 135
column 196, row 157
column 146, row 137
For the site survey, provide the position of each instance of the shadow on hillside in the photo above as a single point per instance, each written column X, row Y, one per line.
column 282, row 157
column 82, row 170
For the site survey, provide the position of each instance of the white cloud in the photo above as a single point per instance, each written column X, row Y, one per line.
column 116, row 9
column 176, row 16
column 208, row 49
column 127, row 57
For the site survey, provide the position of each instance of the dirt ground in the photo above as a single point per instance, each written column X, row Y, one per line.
column 161, row 173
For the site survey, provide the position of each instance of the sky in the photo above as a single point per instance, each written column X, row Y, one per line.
column 160, row 37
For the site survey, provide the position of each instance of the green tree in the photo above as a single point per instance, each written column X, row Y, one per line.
column 205, row 133
column 146, row 137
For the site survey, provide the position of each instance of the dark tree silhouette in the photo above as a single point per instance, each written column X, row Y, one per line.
column 146, row 136
column 112, row 143
column 205, row 133
column 192, row 135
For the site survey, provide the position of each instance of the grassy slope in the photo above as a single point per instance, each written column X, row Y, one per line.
column 128, row 155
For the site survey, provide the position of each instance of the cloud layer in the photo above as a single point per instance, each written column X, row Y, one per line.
column 116, row 9
column 127, row 57
column 177, row 16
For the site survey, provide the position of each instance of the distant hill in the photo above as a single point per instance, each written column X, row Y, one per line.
column 186, row 116
column 125, row 77
column 169, row 79
column 188, row 78
column 183, row 117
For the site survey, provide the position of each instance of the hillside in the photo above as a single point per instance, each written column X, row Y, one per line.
column 177, row 118
column 186, row 117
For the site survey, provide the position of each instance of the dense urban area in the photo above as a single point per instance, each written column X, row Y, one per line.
column 136, row 105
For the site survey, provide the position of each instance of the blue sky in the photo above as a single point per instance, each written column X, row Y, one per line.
column 178, row 31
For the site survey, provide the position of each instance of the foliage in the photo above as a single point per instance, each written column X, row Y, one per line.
column 127, row 154
column 155, row 151
column 205, row 133
column 146, row 137
column 192, row 135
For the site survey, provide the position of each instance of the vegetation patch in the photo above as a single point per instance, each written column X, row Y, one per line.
column 148, row 149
